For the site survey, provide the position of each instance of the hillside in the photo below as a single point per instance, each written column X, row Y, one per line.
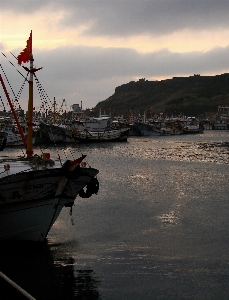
column 193, row 95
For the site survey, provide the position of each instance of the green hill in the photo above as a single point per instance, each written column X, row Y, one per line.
column 193, row 95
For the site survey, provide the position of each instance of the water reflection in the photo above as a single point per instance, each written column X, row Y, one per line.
column 211, row 147
column 86, row 285
column 38, row 270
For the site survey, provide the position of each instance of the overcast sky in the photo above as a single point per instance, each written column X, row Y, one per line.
column 89, row 47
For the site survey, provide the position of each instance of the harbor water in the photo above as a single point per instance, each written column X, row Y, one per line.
column 158, row 228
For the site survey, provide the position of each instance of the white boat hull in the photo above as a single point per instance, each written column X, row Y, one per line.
column 191, row 129
column 28, row 221
column 101, row 136
column 31, row 201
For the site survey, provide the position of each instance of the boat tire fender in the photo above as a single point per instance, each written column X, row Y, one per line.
column 91, row 188
column 95, row 186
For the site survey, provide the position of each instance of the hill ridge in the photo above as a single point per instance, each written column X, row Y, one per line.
column 192, row 95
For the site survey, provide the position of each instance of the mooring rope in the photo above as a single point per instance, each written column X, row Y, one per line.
column 16, row 286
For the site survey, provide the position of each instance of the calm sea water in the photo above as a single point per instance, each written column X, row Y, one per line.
column 158, row 228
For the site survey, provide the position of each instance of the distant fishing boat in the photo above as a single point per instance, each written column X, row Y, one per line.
column 34, row 189
column 192, row 125
column 55, row 133
column 220, row 124
column 100, row 129
column 13, row 136
column 101, row 136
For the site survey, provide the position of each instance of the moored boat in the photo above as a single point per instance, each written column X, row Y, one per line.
column 13, row 136
column 54, row 132
column 110, row 135
column 34, row 189
column 192, row 125
column 100, row 129
column 220, row 124
column 33, row 192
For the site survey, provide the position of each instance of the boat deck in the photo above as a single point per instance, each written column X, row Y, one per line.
column 15, row 165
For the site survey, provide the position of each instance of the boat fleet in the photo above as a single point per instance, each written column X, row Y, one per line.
column 92, row 129
column 83, row 129
column 167, row 126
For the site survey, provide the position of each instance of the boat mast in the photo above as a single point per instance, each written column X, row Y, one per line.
column 27, row 56
column 29, row 150
column 13, row 111
column 54, row 111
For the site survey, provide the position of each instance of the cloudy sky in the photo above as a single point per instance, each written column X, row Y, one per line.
column 89, row 47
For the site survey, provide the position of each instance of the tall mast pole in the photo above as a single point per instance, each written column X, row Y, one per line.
column 54, row 111
column 13, row 112
column 29, row 151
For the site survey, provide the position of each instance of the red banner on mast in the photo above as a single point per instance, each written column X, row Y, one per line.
column 24, row 56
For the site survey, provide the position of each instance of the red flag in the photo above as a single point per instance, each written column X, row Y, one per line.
column 24, row 56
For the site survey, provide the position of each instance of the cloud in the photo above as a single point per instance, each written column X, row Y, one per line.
column 123, row 18
column 157, row 17
column 24, row 7
column 91, row 74
column 96, row 63
column 88, row 48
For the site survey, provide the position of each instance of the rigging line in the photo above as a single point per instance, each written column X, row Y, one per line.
column 43, row 103
column 23, row 75
column 39, row 88
column 8, row 59
column 42, row 92
column 13, row 55
column 2, row 103
column 64, row 153
column 13, row 64
column 21, row 88
column 71, row 152
column 7, row 80
column 19, row 93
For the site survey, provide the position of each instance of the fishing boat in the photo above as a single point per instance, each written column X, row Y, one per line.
column 100, row 129
column 93, row 124
column 146, row 129
column 35, row 188
column 13, row 136
column 109, row 135
column 192, row 125
column 54, row 132
column 220, row 124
